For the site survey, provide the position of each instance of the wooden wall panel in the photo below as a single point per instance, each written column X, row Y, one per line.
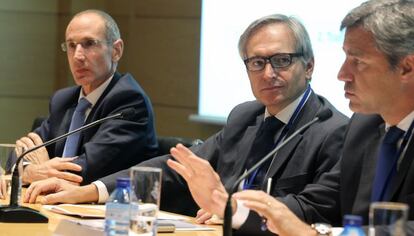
column 175, row 121
column 162, row 50
column 164, row 53
column 27, row 63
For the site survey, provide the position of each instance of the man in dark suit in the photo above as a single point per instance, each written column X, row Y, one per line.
column 379, row 82
column 278, row 56
column 94, row 47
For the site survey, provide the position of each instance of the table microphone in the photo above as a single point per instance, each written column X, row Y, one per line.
column 14, row 213
column 228, row 214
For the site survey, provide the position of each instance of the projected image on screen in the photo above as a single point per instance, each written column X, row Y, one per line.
column 223, row 78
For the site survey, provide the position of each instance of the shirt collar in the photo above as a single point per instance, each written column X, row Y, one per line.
column 404, row 123
column 286, row 113
column 96, row 94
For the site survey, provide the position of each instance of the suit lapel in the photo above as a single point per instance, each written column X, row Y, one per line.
column 243, row 150
column 367, row 164
column 403, row 169
column 307, row 113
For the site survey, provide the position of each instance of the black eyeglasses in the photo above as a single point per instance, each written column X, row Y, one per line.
column 87, row 44
column 278, row 60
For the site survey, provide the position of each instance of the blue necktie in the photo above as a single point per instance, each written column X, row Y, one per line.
column 386, row 164
column 78, row 119
column 264, row 142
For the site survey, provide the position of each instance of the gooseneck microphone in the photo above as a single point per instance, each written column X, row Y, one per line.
column 14, row 213
column 228, row 213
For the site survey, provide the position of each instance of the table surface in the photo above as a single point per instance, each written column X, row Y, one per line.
column 40, row 229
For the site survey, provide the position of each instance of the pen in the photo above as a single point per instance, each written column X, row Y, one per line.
column 264, row 220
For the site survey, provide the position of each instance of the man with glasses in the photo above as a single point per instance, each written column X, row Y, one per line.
column 93, row 46
column 279, row 60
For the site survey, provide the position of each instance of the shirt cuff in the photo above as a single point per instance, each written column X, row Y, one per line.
column 240, row 216
column 102, row 191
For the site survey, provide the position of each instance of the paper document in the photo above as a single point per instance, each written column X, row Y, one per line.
column 98, row 211
column 81, row 210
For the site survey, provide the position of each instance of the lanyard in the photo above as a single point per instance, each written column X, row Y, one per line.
column 248, row 183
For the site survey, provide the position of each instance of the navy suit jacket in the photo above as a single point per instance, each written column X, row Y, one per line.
column 113, row 145
column 346, row 189
column 300, row 162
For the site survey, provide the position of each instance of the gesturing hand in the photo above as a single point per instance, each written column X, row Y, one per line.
column 204, row 183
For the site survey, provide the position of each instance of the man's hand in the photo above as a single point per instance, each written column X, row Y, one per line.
column 280, row 220
column 56, row 167
column 60, row 191
column 3, row 188
column 31, row 140
column 204, row 183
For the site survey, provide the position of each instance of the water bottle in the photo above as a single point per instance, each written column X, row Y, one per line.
column 117, row 209
column 352, row 226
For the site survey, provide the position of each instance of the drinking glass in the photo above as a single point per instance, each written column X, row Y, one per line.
column 6, row 150
column 145, row 200
column 387, row 219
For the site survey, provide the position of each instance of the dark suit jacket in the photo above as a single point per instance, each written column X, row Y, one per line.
column 113, row 145
column 301, row 162
column 346, row 189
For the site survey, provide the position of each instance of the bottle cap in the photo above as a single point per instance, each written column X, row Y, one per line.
column 122, row 182
column 352, row 220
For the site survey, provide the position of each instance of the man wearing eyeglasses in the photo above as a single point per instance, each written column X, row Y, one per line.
column 93, row 46
column 279, row 60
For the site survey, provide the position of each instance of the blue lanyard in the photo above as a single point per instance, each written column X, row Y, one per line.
column 248, row 183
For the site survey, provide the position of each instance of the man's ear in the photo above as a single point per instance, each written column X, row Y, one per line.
column 118, row 49
column 407, row 68
column 309, row 69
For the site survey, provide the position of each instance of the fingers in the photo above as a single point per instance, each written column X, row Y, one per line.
column 182, row 155
column 3, row 188
column 65, row 164
column 180, row 169
column 25, row 142
column 54, row 198
column 203, row 216
column 36, row 139
column 75, row 179
column 251, row 195
column 39, row 187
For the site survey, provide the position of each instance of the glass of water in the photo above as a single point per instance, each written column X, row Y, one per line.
column 387, row 219
column 146, row 185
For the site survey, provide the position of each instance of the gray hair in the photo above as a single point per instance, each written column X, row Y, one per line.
column 302, row 40
column 111, row 28
column 392, row 24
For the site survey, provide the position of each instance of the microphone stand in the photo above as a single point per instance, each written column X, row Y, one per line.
column 228, row 212
column 14, row 213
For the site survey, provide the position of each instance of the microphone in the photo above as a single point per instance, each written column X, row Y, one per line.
column 14, row 213
column 228, row 213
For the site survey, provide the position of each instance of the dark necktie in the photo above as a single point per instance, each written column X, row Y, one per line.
column 264, row 142
column 78, row 119
column 386, row 164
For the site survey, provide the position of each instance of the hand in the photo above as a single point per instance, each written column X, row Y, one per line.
column 204, row 183
column 3, row 188
column 60, row 191
column 280, row 220
column 56, row 167
column 205, row 217
column 31, row 140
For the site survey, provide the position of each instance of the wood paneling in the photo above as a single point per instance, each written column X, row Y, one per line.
column 161, row 51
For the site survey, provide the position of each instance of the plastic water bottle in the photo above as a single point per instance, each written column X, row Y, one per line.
column 352, row 226
column 117, row 209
